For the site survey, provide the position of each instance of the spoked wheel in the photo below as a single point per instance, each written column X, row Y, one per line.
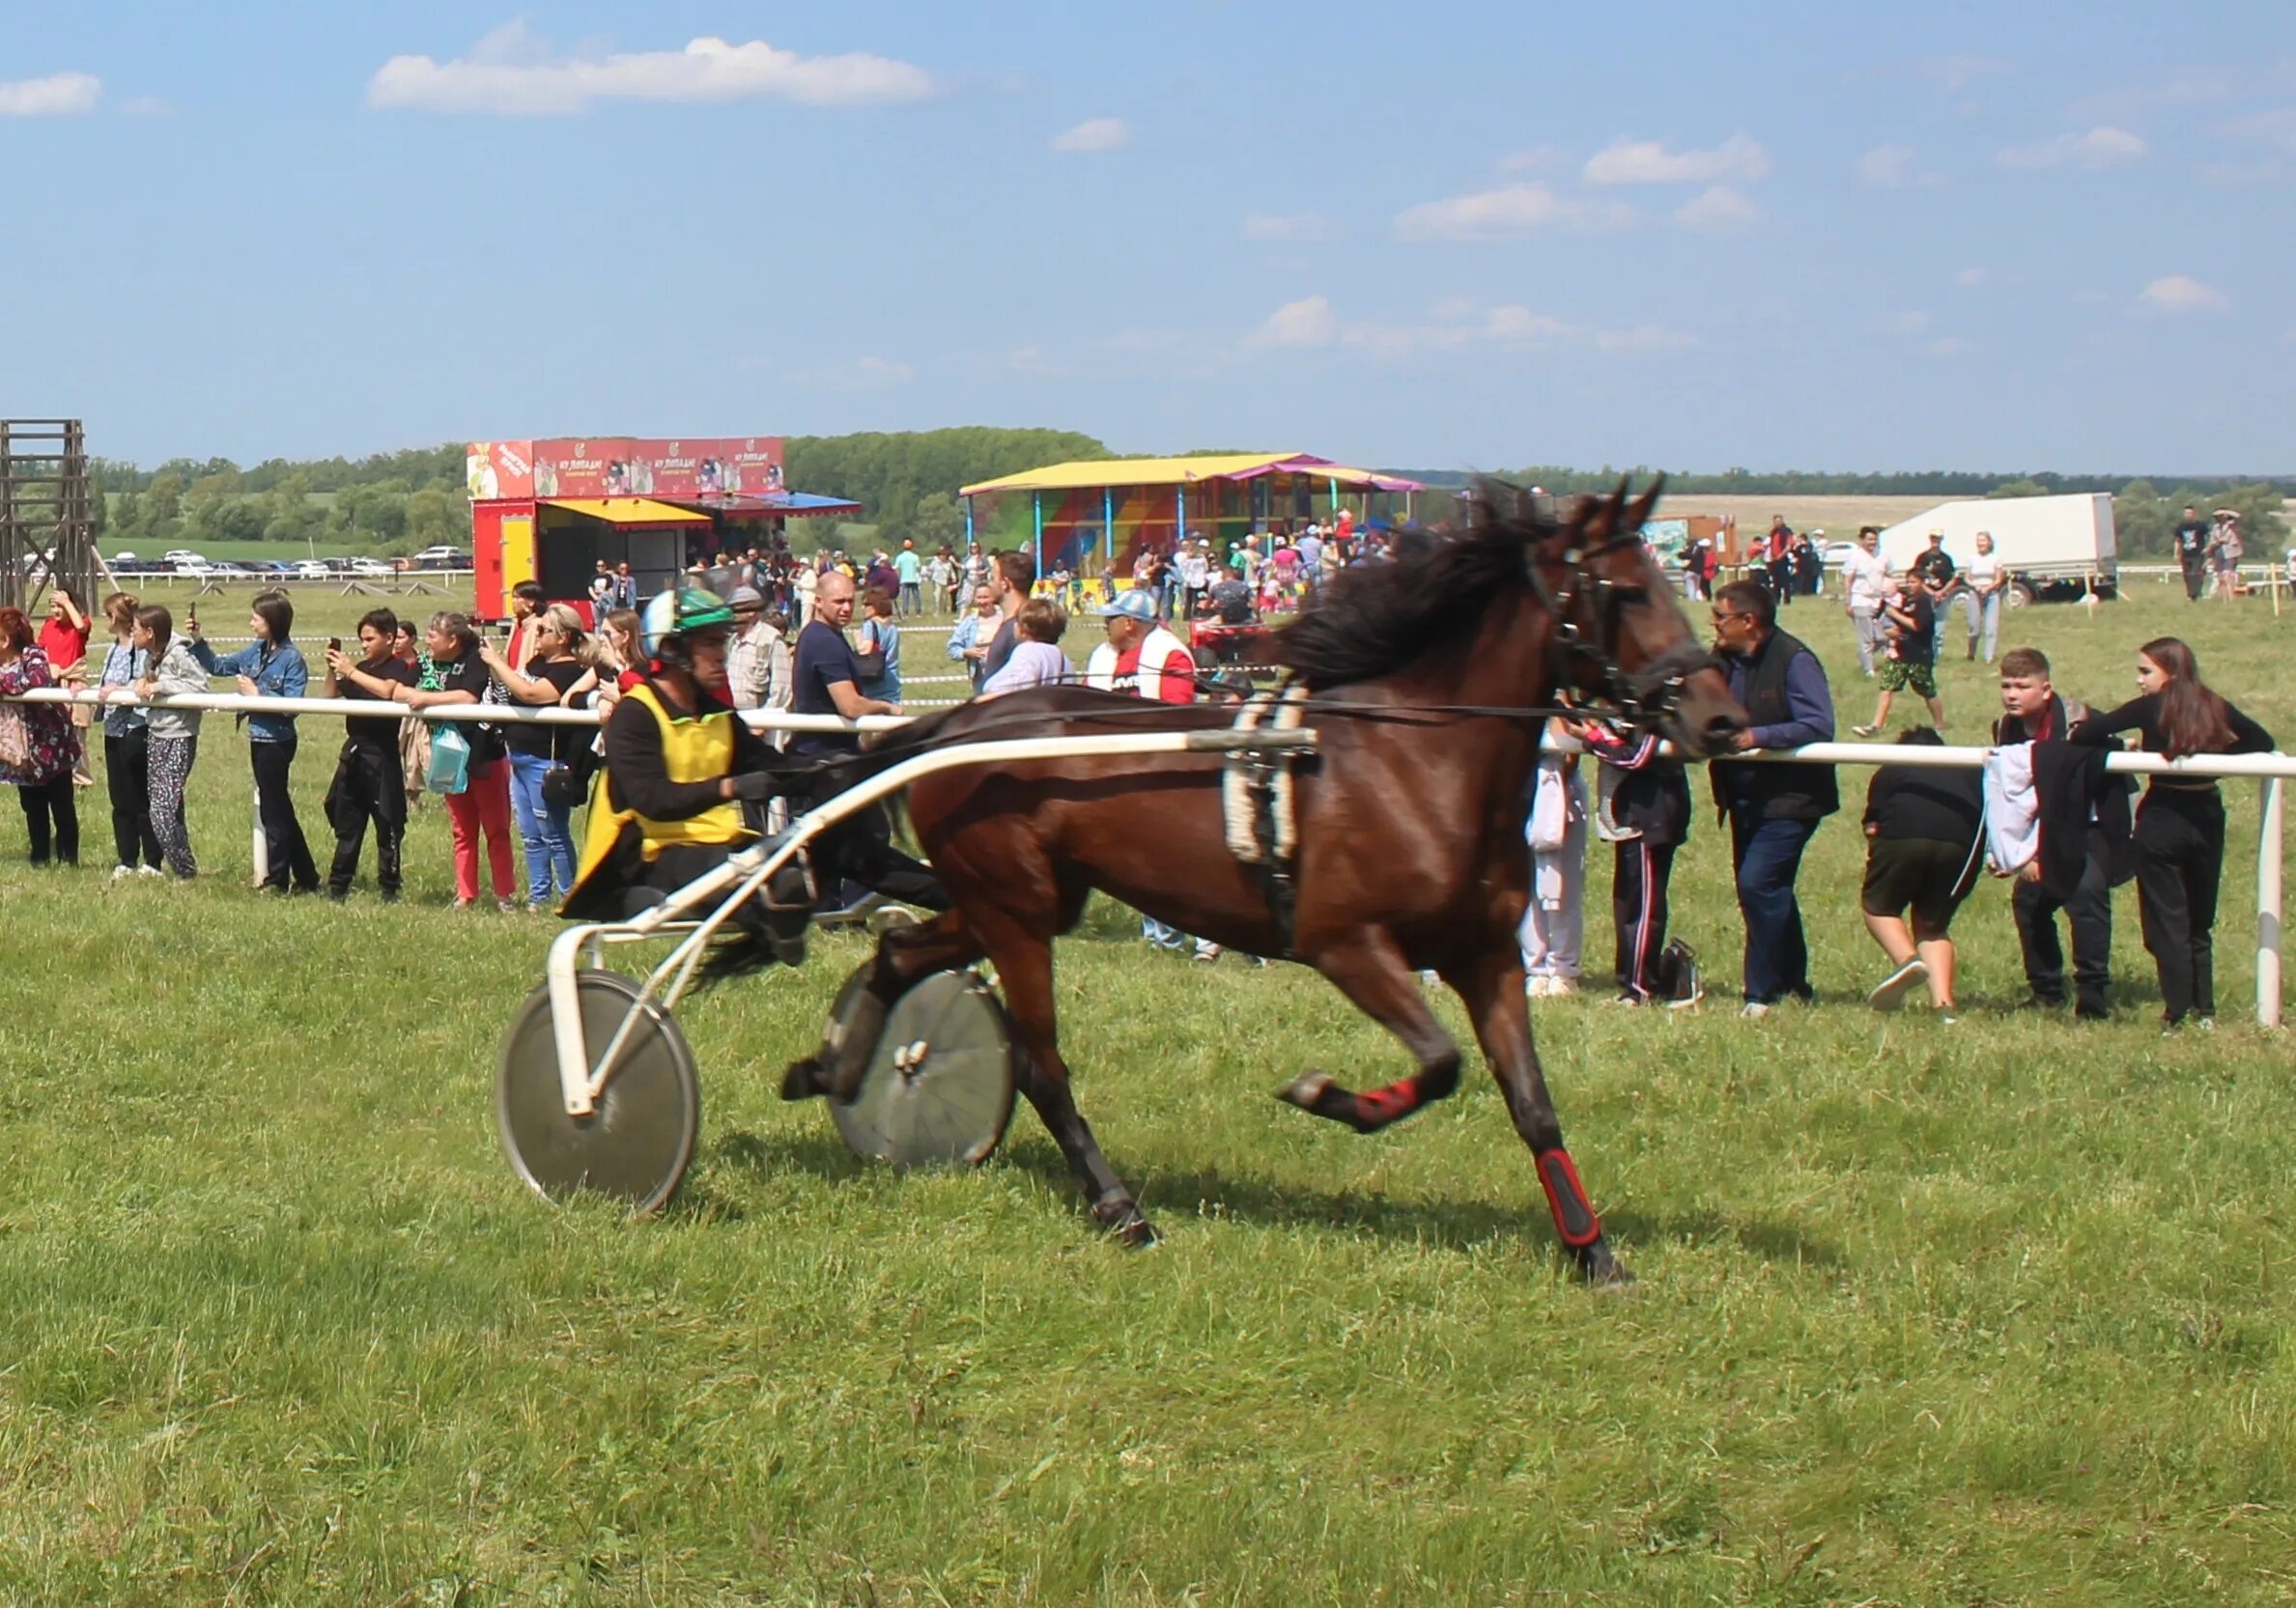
column 939, row 1090
column 636, row 1144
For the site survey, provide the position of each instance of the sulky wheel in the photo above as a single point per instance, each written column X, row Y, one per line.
column 939, row 1087
column 636, row 1144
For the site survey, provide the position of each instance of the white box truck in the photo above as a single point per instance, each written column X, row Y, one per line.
column 2055, row 549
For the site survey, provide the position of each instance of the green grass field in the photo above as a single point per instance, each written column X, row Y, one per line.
column 1999, row 1313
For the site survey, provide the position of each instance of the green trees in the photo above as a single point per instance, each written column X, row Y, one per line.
column 891, row 475
column 2144, row 516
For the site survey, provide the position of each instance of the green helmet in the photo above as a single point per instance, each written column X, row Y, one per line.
column 678, row 610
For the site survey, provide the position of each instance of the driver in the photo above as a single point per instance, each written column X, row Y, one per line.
column 680, row 769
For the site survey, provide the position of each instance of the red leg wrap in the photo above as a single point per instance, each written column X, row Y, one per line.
column 1378, row 1107
column 1575, row 1218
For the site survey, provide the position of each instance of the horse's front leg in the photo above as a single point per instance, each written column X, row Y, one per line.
column 1369, row 968
column 1490, row 983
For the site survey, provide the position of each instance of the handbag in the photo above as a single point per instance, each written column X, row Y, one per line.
column 565, row 786
column 16, row 740
column 449, row 768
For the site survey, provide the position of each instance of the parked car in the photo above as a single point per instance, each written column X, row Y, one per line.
column 442, row 558
column 180, row 556
column 371, row 567
column 311, row 569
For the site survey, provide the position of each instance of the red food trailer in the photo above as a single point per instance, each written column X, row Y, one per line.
column 548, row 511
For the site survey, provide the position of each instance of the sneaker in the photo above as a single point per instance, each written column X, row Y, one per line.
column 1865, row 731
column 149, row 871
column 1891, row 993
column 1946, row 1018
column 2206, row 1023
column 507, row 906
column 1559, row 988
column 1208, row 954
column 1629, row 999
column 120, row 873
column 1755, row 1010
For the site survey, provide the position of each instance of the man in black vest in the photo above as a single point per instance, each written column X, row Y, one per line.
column 1772, row 809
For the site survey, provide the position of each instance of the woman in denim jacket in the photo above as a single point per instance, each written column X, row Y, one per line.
column 271, row 667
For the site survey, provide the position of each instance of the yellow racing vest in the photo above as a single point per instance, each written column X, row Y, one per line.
column 693, row 749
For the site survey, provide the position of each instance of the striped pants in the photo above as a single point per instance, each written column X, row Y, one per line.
column 1640, row 873
column 170, row 767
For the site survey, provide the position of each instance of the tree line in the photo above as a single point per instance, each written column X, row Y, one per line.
column 906, row 481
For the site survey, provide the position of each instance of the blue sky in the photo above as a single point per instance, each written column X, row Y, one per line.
column 2032, row 236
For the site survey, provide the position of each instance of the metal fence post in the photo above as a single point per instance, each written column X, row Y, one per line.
column 2270, row 809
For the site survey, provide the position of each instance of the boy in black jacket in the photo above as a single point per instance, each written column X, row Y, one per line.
column 2032, row 712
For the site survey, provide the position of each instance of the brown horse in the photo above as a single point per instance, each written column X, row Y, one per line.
column 1428, row 677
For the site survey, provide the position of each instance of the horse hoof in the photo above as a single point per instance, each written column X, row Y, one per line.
column 1305, row 1089
column 1124, row 1223
column 803, row 1080
column 1598, row 1269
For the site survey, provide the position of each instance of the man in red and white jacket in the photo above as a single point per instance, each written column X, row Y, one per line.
column 1139, row 656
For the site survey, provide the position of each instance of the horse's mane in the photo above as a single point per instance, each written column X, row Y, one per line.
column 1373, row 619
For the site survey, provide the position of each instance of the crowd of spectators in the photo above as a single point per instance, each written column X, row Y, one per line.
column 824, row 636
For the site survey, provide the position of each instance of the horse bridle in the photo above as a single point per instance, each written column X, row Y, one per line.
column 1588, row 616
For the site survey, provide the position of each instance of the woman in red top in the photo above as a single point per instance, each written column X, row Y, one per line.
column 64, row 639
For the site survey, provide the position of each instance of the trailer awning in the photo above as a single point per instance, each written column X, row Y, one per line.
column 628, row 513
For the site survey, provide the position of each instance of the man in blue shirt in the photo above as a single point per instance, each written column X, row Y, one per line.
column 907, row 566
column 1773, row 810
column 827, row 681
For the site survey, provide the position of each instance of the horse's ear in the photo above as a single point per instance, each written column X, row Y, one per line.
column 1639, row 515
column 1596, row 518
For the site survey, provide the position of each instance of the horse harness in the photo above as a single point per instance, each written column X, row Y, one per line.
column 1257, row 801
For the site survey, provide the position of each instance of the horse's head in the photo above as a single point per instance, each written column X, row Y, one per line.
column 1621, row 630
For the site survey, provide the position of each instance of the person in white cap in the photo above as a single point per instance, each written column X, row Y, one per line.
column 1139, row 656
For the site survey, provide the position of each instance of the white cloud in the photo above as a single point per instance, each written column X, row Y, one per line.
column 1512, row 210
column 1909, row 323
column 1303, row 228
column 58, row 95
column 1307, row 321
column 1649, row 163
column 2181, row 293
column 1970, row 278
column 1886, row 167
column 2100, row 148
column 1951, row 346
column 1456, row 324
column 1716, row 211
column 1098, row 133
column 511, row 72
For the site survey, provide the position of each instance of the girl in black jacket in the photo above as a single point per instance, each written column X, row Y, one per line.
column 2180, row 825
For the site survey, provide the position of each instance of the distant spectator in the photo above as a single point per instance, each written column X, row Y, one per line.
column 2192, row 550
column 877, row 647
column 1865, row 585
column 1553, row 928
column 969, row 638
column 271, row 667
column 1778, row 559
column 558, row 665
column 1910, row 619
column 1924, row 845
column 1230, row 597
column 1934, row 569
column 1012, row 577
column 2180, row 825
column 370, row 785
column 1035, row 662
column 908, row 572
column 1773, row 810
column 1642, row 809
column 1982, row 582
column 40, row 749
column 127, row 744
column 453, row 674
column 171, row 667
column 64, row 639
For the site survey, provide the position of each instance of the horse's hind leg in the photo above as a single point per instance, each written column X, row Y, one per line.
column 1371, row 970
column 1491, row 986
column 1024, row 968
column 904, row 954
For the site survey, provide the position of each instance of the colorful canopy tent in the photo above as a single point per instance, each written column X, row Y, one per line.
column 1160, row 503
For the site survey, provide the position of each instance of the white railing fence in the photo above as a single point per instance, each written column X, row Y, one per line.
column 2270, row 770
